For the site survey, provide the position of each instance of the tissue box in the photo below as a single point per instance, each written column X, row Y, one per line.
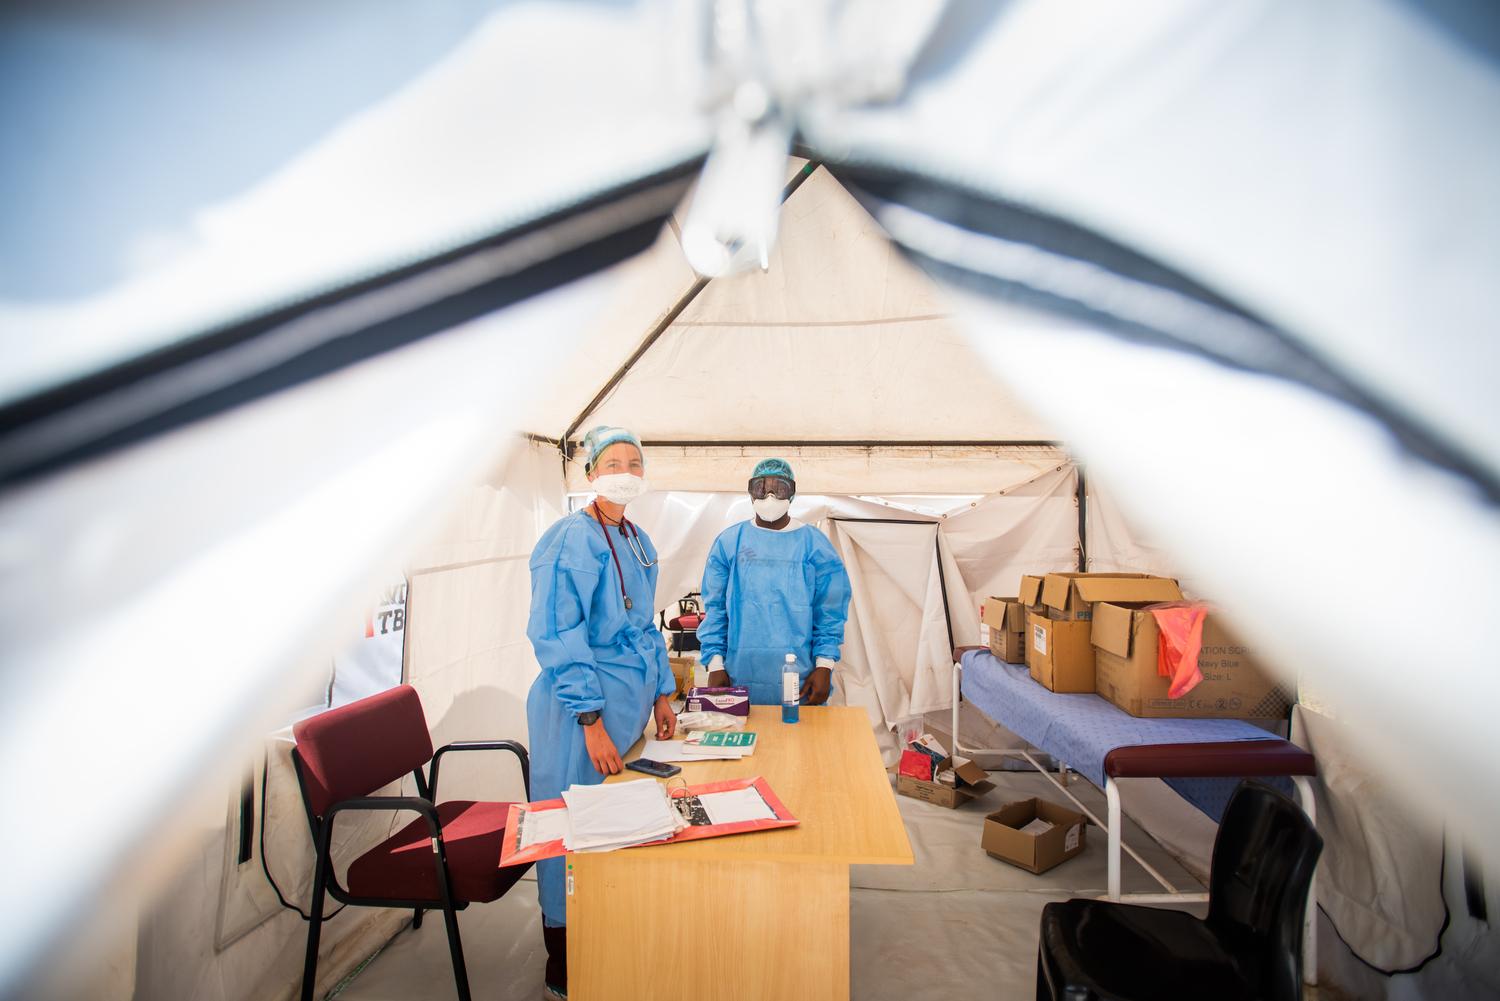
column 735, row 701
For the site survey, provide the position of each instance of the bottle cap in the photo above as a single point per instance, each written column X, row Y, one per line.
column 791, row 658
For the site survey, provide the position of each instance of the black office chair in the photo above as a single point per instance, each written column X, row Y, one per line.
column 1249, row 946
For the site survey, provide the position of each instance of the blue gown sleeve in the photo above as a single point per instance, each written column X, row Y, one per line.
column 713, row 631
column 561, row 593
column 830, row 597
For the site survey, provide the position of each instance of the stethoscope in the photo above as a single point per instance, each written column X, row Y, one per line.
column 632, row 540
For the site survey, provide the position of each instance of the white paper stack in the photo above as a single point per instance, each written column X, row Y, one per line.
column 673, row 750
column 602, row 818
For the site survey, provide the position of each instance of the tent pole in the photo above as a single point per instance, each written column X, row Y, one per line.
column 660, row 327
column 937, row 545
column 1083, row 520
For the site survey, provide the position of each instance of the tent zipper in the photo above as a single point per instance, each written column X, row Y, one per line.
column 247, row 360
column 1008, row 251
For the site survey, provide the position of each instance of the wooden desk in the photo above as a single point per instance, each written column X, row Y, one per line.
column 753, row 916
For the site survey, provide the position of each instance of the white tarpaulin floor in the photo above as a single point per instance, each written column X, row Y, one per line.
column 956, row 925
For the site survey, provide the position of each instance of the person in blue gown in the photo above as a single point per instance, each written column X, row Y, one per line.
column 604, row 664
column 773, row 586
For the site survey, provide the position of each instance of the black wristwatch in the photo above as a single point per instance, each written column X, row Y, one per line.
column 589, row 718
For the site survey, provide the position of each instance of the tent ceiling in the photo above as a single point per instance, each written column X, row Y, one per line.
column 839, row 340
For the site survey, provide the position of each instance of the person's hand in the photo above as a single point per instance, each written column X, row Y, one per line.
column 959, row 651
column 719, row 679
column 816, row 688
column 601, row 749
column 666, row 719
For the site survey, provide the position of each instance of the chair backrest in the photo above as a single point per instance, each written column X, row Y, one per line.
column 1263, row 864
column 355, row 749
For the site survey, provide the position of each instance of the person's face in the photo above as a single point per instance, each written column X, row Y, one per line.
column 621, row 457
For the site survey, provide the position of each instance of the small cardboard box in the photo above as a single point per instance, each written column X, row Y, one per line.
column 1233, row 685
column 682, row 670
column 972, row 783
column 1059, row 642
column 1006, row 618
column 1003, row 838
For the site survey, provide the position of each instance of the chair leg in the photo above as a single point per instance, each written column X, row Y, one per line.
column 456, row 949
column 416, row 918
column 315, row 927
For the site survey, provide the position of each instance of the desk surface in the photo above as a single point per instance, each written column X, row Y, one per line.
column 827, row 770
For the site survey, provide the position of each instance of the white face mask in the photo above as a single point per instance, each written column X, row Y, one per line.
column 620, row 488
column 769, row 509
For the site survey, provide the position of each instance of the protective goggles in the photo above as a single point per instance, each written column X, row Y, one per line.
column 771, row 486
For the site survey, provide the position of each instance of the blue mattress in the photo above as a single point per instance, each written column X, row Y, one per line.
column 1081, row 729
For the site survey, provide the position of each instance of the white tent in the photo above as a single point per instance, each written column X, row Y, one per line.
column 1239, row 260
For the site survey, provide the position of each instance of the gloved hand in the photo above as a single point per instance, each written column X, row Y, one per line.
column 719, row 679
column 601, row 749
column 817, row 687
column 666, row 719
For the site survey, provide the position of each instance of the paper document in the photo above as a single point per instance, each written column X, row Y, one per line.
column 618, row 815
column 541, row 826
column 737, row 805
column 675, row 750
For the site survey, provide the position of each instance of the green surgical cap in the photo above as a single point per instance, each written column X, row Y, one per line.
column 603, row 436
column 778, row 468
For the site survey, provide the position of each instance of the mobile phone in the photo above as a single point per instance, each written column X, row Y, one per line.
column 660, row 769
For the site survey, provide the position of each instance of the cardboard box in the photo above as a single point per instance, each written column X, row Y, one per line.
column 682, row 670
column 1029, row 592
column 1006, row 618
column 1059, row 642
column 1233, row 686
column 1070, row 597
column 973, row 783
column 1003, row 838
column 1059, row 654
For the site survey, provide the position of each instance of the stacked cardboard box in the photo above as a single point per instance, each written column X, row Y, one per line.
column 1125, row 639
column 1006, row 618
column 1059, row 626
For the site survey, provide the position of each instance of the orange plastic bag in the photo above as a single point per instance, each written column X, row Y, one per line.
column 1180, row 638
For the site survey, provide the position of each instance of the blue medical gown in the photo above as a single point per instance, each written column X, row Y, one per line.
column 594, row 655
column 767, row 594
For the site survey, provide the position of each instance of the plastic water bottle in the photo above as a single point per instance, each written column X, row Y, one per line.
column 791, row 689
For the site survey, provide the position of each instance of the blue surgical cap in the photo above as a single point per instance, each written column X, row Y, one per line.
column 603, row 436
column 778, row 468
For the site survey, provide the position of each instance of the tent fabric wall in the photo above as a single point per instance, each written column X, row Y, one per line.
column 467, row 654
column 1381, row 880
column 840, row 339
column 872, row 470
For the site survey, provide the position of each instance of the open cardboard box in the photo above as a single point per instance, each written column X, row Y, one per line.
column 1003, row 838
column 1006, row 618
column 1059, row 648
column 1233, row 685
column 973, row 782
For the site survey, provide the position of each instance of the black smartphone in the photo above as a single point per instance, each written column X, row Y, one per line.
column 660, row 769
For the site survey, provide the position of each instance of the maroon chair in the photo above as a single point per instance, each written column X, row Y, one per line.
column 449, row 857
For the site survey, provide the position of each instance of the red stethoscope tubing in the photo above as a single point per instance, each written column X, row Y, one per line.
column 619, row 570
